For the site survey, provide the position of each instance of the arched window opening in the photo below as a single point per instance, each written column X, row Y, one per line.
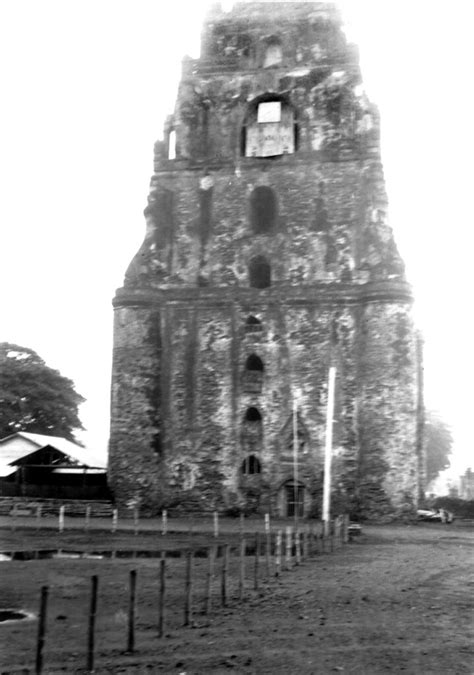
column 253, row 376
column 253, row 325
column 253, row 415
column 263, row 209
column 172, row 145
column 254, row 362
column 260, row 275
column 269, row 129
column 251, row 465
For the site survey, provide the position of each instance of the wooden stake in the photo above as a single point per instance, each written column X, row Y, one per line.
column 216, row 524
column 346, row 528
column 188, row 589
column 92, row 615
column 114, row 520
column 131, row 612
column 268, row 548
column 61, row 518
column 298, row 546
column 225, row 562
column 288, row 533
column 38, row 517
column 88, row 518
column 164, row 522
column 211, row 557
column 41, row 630
column 305, row 543
column 135, row 520
column 241, row 524
column 161, row 597
column 243, row 547
column 278, row 554
column 257, row 560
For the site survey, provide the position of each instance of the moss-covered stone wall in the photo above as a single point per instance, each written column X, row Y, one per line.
column 258, row 273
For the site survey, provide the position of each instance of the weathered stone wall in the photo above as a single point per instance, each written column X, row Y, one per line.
column 255, row 275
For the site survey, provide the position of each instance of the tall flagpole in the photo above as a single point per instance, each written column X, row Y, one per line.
column 328, row 450
column 295, row 459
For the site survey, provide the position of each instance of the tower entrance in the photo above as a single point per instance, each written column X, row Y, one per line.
column 293, row 499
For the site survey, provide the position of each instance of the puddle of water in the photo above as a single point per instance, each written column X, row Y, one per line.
column 65, row 554
column 8, row 615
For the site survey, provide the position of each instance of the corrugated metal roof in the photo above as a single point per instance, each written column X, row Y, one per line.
column 19, row 445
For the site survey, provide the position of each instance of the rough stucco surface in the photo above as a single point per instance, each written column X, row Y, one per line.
column 333, row 290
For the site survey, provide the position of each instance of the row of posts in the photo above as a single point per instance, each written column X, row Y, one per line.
column 136, row 521
column 292, row 546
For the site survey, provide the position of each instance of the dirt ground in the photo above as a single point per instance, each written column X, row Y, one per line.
column 398, row 598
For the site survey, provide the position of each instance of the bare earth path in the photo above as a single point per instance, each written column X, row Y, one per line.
column 399, row 599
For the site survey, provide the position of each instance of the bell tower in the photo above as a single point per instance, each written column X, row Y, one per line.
column 268, row 256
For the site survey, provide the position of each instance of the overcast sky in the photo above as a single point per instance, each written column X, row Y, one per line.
column 86, row 85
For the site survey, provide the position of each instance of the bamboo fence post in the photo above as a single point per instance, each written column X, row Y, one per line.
column 164, row 522
column 215, row 519
column 278, row 553
column 211, row 557
column 132, row 612
column 41, row 630
column 136, row 520
column 241, row 524
column 243, row 547
column 288, row 547
column 225, row 562
column 114, row 520
column 38, row 516
column 256, row 561
column 161, row 597
column 61, row 518
column 332, row 525
column 87, row 523
column 92, row 616
column 188, row 589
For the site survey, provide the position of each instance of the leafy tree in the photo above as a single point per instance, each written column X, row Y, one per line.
column 34, row 397
column 438, row 443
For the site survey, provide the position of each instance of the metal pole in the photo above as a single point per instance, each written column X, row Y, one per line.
column 328, row 450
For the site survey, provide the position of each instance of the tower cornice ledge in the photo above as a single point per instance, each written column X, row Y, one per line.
column 397, row 291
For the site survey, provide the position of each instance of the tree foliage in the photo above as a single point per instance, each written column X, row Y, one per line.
column 34, row 397
column 438, row 443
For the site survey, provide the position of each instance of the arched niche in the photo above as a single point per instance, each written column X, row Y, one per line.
column 263, row 210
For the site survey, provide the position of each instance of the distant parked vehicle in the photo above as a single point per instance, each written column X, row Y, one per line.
column 435, row 515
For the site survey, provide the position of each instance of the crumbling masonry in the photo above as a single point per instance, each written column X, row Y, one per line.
column 267, row 257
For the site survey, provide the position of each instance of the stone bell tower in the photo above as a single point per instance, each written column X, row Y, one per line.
column 267, row 258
